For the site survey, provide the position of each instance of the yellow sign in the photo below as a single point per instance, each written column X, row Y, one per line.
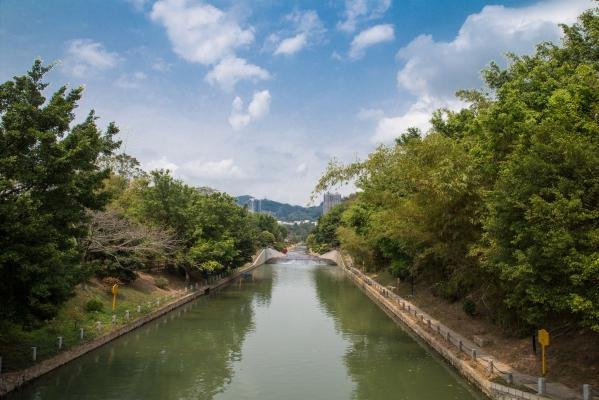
column 544, row 341
column 115, row 289
column 543, row 337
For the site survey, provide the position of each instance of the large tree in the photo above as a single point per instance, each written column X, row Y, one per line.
column 499, row 201
column 49, row 177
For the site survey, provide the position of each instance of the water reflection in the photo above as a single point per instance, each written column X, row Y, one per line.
column 188, row 354
column 383, row 360
column 291, row 331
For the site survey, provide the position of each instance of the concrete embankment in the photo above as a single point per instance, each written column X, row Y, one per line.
column 469, row 359
column 12, row 380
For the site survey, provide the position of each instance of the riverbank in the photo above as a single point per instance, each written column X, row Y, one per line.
column 122, row 323
column 572, row 356
column 496, row 379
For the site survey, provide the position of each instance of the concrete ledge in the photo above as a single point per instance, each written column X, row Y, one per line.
column 467, row 368
column 11, row 380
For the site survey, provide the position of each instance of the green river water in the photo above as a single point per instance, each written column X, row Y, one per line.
column 296, row 330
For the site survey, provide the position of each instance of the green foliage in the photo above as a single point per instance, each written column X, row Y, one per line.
column 94, row 305
column 71, row 208
column 299, row 232
column 266, row 239
column 469, row 307
column 161, row 282
column 211, row 266
column 499, row 201
column 324, row 237
column 49, row 177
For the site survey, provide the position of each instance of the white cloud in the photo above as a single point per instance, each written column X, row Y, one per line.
column 85, row 57
column 131, row 81
column 370, row 37
column 302, row 168
column 368, row 114
column 434, row 70
column 223, row 169
column 200, row 33
column 362, row 10
column 307, row 28
column 292, row 45
column 417, row 115
column 231, row 70
column 161, row 163
column 161, row 65
column 197, row 169
column 257, row 109
column 139, row 5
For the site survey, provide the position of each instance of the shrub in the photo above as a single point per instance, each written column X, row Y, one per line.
column 399, row 269
column 161, row 282
column 111, row 281
column 94, row 305
column 469, row 307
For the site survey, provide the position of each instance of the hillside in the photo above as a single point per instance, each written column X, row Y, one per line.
column 284, row 211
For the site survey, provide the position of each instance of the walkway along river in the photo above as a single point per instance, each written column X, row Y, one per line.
column 292, row 330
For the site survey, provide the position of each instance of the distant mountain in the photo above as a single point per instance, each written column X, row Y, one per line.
column 284, row 211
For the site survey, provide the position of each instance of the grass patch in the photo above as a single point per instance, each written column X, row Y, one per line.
column 16, row 344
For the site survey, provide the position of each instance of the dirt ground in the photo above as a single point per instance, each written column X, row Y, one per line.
column 573, row 358
column 145, row 283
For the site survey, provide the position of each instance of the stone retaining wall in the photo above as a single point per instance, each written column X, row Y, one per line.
column 467, row 368
column 12, row 380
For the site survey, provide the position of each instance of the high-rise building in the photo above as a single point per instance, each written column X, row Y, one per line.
column 330, row 201
column 255, row 205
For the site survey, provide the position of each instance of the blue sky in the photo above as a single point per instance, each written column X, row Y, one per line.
column 255, row 97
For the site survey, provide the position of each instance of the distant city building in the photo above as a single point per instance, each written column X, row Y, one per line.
column 330, row 201
column 255, row 205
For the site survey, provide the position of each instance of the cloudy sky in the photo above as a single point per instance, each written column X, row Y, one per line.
column 254, row 97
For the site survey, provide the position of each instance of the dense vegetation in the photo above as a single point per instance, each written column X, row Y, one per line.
column 286, row 212
column 499, row 203
column 298, row 232
column 72, row 207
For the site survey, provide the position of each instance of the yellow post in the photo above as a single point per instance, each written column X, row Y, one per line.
column 544, row 341
column 115, row 288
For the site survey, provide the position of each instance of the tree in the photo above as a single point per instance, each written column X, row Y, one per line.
column 499, row 202
column 49, row 177
column 117, row 246
column 542, row 227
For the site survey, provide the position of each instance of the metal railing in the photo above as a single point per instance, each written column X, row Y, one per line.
column 39, row 350
column 484, row 361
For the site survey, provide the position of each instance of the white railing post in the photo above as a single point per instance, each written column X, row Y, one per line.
column 586, row 391
column 541, row 386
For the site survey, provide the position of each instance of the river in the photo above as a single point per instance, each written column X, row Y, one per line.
column 294, row 330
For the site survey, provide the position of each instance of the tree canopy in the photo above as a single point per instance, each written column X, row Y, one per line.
column 499, row 201
column 72, row 207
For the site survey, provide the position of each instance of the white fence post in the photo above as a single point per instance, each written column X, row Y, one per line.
column 586, row 391
column 60, row 343
column 510, row 378
column 541, row 386
column 34, row 353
